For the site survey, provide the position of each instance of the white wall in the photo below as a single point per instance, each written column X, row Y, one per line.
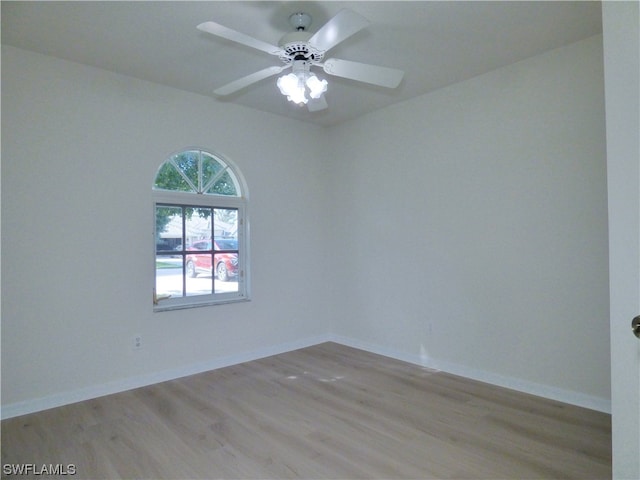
column 465, row 229
column 80, row 151
column 475, row 228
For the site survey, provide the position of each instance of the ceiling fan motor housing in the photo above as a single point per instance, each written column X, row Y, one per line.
column 296, row 46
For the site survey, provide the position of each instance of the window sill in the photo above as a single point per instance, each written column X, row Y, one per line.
column 182, row 306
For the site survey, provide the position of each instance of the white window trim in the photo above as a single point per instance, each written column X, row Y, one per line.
column 208, row 200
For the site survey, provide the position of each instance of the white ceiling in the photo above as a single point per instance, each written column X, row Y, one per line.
column 435, row 43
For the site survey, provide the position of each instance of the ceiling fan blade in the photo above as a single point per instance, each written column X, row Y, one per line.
column 243, row 82
column 362, row 72
column 344, row 24
column 317, row 104
column 221, row 31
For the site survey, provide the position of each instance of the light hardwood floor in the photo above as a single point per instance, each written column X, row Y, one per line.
column 326, row 411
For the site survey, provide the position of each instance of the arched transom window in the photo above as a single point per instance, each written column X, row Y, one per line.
column 201, row 232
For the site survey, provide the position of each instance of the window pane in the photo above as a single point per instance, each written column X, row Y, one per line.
column 200, row 252
column 226, row 224
column 226, row 272
column 202, row 284
column 168, row 228
column 168, row 239
column 223, row 186
column 210, row 169
column 169, row 276
column 187, row 163
column 198, row 227
column 169, row 178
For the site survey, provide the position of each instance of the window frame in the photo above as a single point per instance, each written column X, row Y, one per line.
column 178, row 198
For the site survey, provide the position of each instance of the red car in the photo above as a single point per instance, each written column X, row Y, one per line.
column 226, row 262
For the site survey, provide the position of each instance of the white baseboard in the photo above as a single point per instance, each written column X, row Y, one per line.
column 546, row 391
column 94, row 391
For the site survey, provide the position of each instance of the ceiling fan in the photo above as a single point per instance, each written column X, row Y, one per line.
column 300, row 50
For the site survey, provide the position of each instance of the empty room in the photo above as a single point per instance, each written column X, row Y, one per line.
column 320, row 239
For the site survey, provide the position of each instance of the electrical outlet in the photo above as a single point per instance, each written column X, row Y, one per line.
column 137, row 342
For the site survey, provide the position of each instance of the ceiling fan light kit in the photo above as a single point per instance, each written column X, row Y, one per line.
column 296, row 84
column 299, row 50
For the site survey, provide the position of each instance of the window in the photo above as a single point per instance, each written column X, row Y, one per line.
column 201, row 232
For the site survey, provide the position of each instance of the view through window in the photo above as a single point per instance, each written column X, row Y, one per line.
column 200, row 232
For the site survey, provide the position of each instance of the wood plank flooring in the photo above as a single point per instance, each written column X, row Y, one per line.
column 326, row 411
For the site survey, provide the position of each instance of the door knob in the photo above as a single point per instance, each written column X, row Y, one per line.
column 635, row 326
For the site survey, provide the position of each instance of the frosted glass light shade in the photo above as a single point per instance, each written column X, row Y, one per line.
column 316, row 87
column 291, row 86
column 294, row 86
